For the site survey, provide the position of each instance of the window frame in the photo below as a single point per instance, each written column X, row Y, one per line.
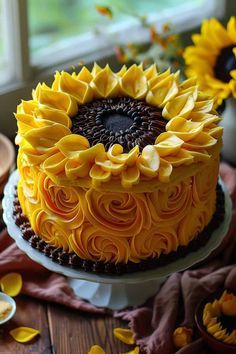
column 24, row 75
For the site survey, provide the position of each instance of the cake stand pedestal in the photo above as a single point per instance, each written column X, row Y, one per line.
column 113, row 291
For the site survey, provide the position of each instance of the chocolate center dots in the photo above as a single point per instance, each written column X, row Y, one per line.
column 120, row 120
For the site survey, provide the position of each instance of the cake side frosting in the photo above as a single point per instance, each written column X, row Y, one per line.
column 113, row 195
column 118, row 227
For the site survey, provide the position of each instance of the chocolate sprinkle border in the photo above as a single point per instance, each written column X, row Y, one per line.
column 71, row 259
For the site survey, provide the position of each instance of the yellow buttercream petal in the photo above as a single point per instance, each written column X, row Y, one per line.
column 183, row 128
column 149, row 161
column 183, row 157
column 203, row 106
column 55, row 164
column 72, row 144
column 96, row 69
column 96, row 349
column 134, row 83
column 115, row 154
column 181, row 105
column 53, row 115
column 122, row 71
column 24, row 334
column 34, row 157
column 164, row 171
column 11, row 284
column 124, row 335
column 152, row 82
column 27, row 107
column 205, row 118
column 78, row 89
column 46, row 137
column 99, row 175
column 162, row 92
column 130, row 176
column 84, row 75
column 151, row 72
column 77, row 169
column 59, row 100
column 105, row 83
column 109, row 166
column 216, row 132
column 167, row 144
column 201, row 141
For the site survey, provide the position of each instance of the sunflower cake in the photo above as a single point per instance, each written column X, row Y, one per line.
column 118, row 171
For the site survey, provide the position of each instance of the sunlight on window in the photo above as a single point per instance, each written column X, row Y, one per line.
column 56, row 23
column 2, row 40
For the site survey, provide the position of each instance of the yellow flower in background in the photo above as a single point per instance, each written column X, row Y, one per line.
column 212, row 59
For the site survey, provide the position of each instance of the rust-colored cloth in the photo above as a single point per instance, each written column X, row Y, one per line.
column 154, row 322
column 38, row 282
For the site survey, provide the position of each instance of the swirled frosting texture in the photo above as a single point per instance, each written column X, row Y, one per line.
column 118, row 227
column 45, row 137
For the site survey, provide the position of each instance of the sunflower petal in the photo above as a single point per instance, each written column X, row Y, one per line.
column 96, row 349
column 24, row 334
column 124, row 335
column 11, row 284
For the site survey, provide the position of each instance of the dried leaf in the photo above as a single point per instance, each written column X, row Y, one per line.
column 11, row 284
column 104, row 11
column 24, row 334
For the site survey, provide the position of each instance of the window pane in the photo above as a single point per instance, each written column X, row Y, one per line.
column 56, row 23
column 3, row 59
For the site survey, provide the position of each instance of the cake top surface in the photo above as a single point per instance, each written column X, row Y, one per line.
column 126, row 130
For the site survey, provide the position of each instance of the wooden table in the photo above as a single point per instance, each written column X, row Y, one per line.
column 63, row 331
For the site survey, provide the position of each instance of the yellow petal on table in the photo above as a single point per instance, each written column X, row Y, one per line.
column 134, row 351
column 96, row 349
column 24, row 334
column 11, row 284
column 124, row 335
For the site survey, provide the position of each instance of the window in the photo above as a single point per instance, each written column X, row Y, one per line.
column 39, row 36
column 3, row 45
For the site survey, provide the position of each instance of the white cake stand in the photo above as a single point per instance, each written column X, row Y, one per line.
column 113, row 291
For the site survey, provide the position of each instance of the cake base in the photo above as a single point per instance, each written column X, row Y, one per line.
column 109, row 290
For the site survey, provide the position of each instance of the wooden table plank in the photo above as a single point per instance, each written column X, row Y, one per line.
column 29, row 313
column 75, row 332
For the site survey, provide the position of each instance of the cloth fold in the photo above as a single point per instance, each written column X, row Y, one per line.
column 154, row 322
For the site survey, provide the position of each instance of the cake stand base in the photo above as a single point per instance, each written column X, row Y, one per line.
column 115, row 296
column 113, row 291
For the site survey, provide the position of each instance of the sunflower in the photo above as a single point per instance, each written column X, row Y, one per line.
column 212, row 59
